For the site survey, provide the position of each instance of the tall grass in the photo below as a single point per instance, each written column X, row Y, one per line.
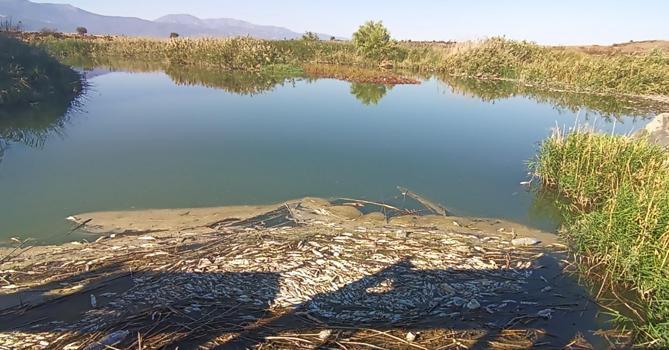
column 496, row 58
column 618, row 188
column 29, row 75
column 642, row 73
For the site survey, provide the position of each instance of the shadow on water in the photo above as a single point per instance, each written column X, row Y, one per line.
column 230, row 310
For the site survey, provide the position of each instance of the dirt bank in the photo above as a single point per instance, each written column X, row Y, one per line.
column 304, row 274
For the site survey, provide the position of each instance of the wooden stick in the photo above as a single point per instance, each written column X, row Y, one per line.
column 434, row 207
column 371, row 203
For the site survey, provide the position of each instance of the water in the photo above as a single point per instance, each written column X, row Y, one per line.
column 140, row 140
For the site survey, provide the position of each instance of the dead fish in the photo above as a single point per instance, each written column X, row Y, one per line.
column 108, row 341
column 410, row 337
column 545, row 314
column 525, row 242
column 324, row 334
column 473, row 304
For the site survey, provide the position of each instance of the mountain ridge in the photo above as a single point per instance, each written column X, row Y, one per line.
column 65, row 17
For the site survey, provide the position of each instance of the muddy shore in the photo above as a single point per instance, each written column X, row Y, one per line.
column 301, row 274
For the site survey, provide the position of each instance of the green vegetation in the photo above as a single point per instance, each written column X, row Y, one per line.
column 372, row 41
column 618, row 218
column 310, row 36
column 36, row 91
column 82, row 31
column 28, row 75
column 496, row 58
column 643, row 74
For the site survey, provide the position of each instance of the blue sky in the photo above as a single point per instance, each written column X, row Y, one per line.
column 548, row 22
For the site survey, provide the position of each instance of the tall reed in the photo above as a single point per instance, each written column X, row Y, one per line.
column 618, row 221
column 496, row 58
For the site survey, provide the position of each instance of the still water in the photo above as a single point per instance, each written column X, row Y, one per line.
column 156, row 140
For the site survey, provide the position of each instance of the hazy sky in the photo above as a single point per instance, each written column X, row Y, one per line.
column 549, row 22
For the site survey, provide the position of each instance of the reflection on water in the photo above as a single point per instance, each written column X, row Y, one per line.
column 32, row 124
column 251, row 83
column 368, row 93
column 237, row 82
column 603, row 105
column 178, row 137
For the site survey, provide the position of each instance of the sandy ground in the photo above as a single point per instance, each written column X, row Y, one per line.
column 302, row 274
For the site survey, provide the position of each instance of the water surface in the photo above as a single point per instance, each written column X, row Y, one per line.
column 189, row 139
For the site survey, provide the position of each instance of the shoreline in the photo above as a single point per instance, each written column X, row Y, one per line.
column 298, row 274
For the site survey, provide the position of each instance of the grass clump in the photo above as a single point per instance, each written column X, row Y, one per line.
column 618, row 190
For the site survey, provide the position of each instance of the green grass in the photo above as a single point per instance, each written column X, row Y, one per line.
column 618, row 218
column 496, row 58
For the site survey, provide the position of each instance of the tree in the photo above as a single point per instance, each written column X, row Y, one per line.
column 82, row 31
column 372, row 40
column 332, row 38
column 174, row 35
column 310, row 36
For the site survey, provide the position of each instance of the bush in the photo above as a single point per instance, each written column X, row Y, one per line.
column 82, row 31
column 373, row 41
column 174, row 35
column 310, row 36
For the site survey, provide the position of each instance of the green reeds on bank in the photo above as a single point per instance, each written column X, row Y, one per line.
column 645, row 73
column 618, row 219
column 29, row 75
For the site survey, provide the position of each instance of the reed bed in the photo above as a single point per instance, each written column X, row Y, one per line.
column 618, row 218
column 28, row 75
column 496, row 58
column 641, row 74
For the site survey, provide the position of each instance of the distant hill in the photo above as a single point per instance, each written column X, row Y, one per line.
column 66, row 18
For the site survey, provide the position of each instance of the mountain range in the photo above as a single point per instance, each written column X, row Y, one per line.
column 66, row 18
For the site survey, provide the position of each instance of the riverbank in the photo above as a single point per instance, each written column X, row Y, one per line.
column 617, row 217
column 29, row 75
column 302, row 274
column 619, row 72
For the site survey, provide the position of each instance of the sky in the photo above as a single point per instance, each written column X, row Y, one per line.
column 546, row 22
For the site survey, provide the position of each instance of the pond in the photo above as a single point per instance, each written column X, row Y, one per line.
column 152, row 138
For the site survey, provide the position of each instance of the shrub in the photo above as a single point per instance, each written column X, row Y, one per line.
column 373, row 41
column 82, row 31
column 310, row 36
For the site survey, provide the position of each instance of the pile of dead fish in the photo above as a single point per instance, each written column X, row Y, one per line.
column 337, row 273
